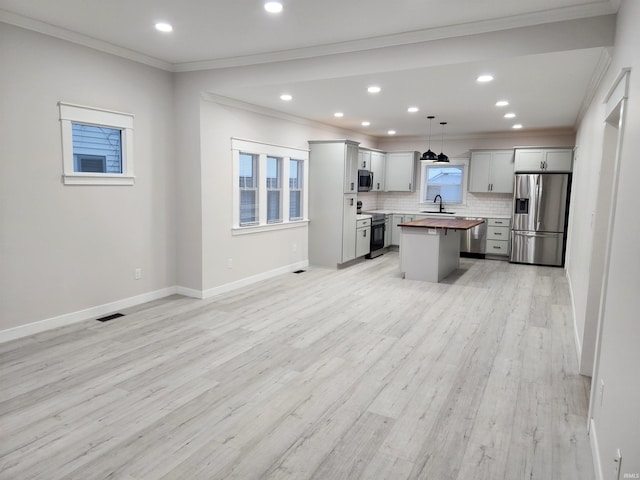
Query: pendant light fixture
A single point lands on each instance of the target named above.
(429, 155)
(442, 158)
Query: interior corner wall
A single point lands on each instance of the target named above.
(615, 415)
(64, 249)
(256, 254)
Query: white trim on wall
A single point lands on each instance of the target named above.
(81, 315)
(101, 310)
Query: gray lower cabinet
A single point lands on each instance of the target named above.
(498, 231)
(395, 230)
(363, 237)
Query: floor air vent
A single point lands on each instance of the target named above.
(299, 271)
(110, 317)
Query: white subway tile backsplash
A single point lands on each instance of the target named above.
(482, 205)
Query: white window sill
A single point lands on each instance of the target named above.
(269, 227)
(97, 179)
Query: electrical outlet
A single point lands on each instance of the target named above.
(138, 274)
(229, 262)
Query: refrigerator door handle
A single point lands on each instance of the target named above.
(538, 198)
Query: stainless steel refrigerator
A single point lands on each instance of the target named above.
(540, 212)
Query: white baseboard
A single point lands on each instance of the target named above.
(595, 451)
(228, 287)
(80, 315)
(101, 310)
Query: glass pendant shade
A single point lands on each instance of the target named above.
(429, 155)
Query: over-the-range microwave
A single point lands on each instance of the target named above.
(365, 180)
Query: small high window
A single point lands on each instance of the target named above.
(97, 146)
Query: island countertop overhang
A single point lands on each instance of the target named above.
(443, 223)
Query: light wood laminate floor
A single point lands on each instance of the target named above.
(325, 375)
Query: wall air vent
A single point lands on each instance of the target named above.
(110, 317)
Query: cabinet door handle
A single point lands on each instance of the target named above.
(378, 185)
(497, 233)
(497, 247)
(352, 185)
(351, 202)
(364, 233)
(409, 186)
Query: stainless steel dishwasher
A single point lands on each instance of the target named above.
(473, 242)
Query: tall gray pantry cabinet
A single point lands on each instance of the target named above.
(333, 188)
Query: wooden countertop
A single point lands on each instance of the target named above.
(445, 223)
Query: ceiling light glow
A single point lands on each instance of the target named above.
(412, 109)
(509, 115)
(502, 103)
(517, 126)
(391, 132)
(484, 78)
(273, 7)
(338, 114)
(374, 89)
(163, 27)
(365, 124)
(286, 97)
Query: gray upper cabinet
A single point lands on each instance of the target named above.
(491, 171)
(351, 168)
(400, 171)
(378, 163)
(543, 159)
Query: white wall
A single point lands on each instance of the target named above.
(68, 248)
(616, 416)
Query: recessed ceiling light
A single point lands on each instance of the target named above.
(163, 27)
(484, 78)
(286, 97)
(338, 114)
(517, 126)
(412, 109)
(502, 103)
(365, 124)
(374, 89)
(509, 115)
(273, 7)
(391, 132)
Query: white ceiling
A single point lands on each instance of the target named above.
(546, 86)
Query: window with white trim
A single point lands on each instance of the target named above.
(269, 186)
(97, 146)
(448, 180)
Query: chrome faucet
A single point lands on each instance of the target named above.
(434, 201)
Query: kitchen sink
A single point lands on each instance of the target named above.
(438, 213)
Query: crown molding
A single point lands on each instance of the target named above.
(546, 132)
(80, 39)
(577, 12)
(269, 112)
(604, 61)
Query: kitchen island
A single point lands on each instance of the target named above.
(430, 248)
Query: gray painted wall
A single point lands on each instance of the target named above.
(68, 248)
